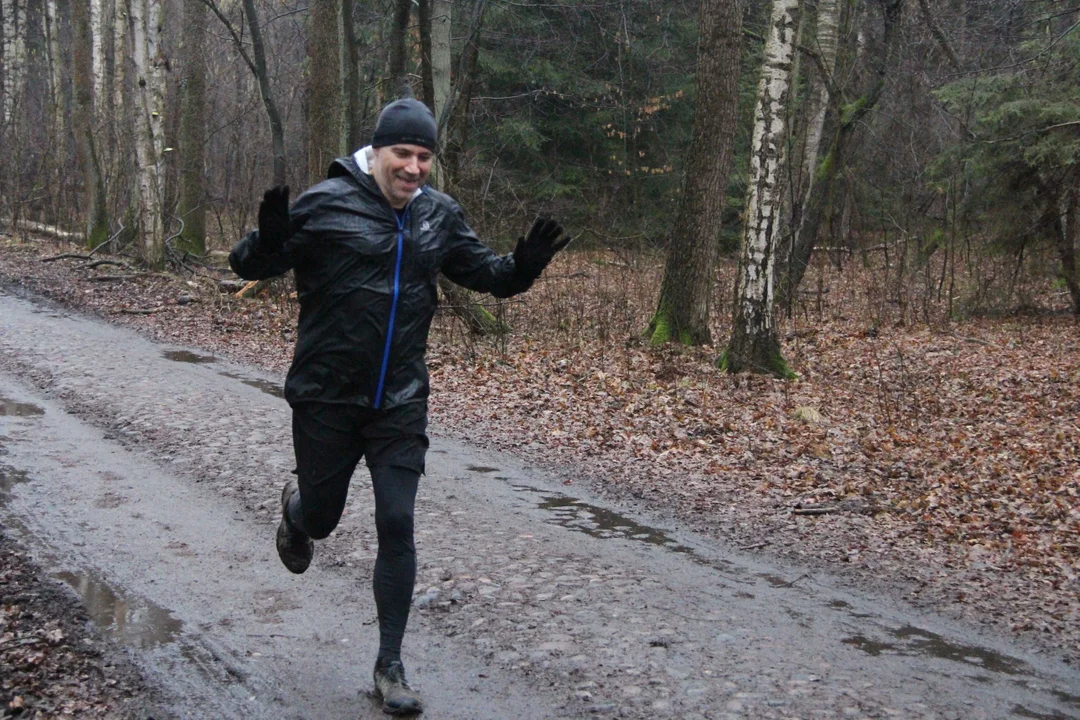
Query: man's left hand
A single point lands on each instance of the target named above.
(535, 250)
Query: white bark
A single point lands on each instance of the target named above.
(828, 30)
(755, 290)
(56, 74)
(97, 35)
(147, 18)
(120, 53)
(14, 56)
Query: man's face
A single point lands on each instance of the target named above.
(399, 170)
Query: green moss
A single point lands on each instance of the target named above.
(723, 362)
(824, 168)
(98, 235)
(851, 110)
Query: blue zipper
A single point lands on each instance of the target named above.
(393, 306)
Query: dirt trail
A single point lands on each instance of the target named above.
(147, 477)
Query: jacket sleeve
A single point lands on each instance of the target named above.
(252, 260)
(473, 265)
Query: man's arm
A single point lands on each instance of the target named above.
(264, 253)
(472, 264)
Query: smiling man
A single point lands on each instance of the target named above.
(367, 246)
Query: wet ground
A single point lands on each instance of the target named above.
(146, 478)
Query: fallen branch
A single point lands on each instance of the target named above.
(112, 278)
(65, 256)
(98, 263)
(817, 510)
(138, 311)
(252, 288)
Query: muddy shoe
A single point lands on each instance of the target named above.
(293, 547)
(396, 695)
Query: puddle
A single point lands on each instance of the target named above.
(186, 356)
(916, 641)
(10, 408)
(135, 623)
(482, 469)
(601, 523)
(267, 386)
(1021, 711)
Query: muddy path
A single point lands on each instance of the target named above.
(146, 477)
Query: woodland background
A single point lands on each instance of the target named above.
(871, 203)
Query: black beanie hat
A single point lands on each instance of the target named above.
(405, 122)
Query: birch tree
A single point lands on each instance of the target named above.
(191, 208)
(755, 344)
(324, 87)
(682, 313)
(849, 110)
(148, 21)
(96, 222)
(823, 48)
(97, 33)
(14, 56)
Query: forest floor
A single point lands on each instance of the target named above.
(939, 461)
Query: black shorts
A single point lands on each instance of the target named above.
(327, 437)
(329, 441)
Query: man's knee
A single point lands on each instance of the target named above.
(395, 524)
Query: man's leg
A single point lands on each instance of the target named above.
(328, 448)
(395, 563)
(395, 575)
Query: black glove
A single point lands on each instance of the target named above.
(535, 250)
(275, 223)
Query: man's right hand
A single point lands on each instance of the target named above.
(275, 223)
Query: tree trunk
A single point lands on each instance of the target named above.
(57, 124)
(14, 57)
(755, 345)
(427, 81)
(191, 209)
(682, 313)
(324, 87)
(97, 32)
(441, 60)
(353, 112)
(848, 118)
(435, 69)
(1067, 235)
(96, 222)
(148, 19)
(277, 129)
(397, 80)
(821, 79)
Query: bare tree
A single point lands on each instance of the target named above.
(397, 79)
(755, 344)
(191, 208)
(353, 92)
(257, 65)
(14, 56)
(96, 222)
(148, 20)
(324, 87)
(849, 112)
(682, 313)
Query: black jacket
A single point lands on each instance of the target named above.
(367, 285)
